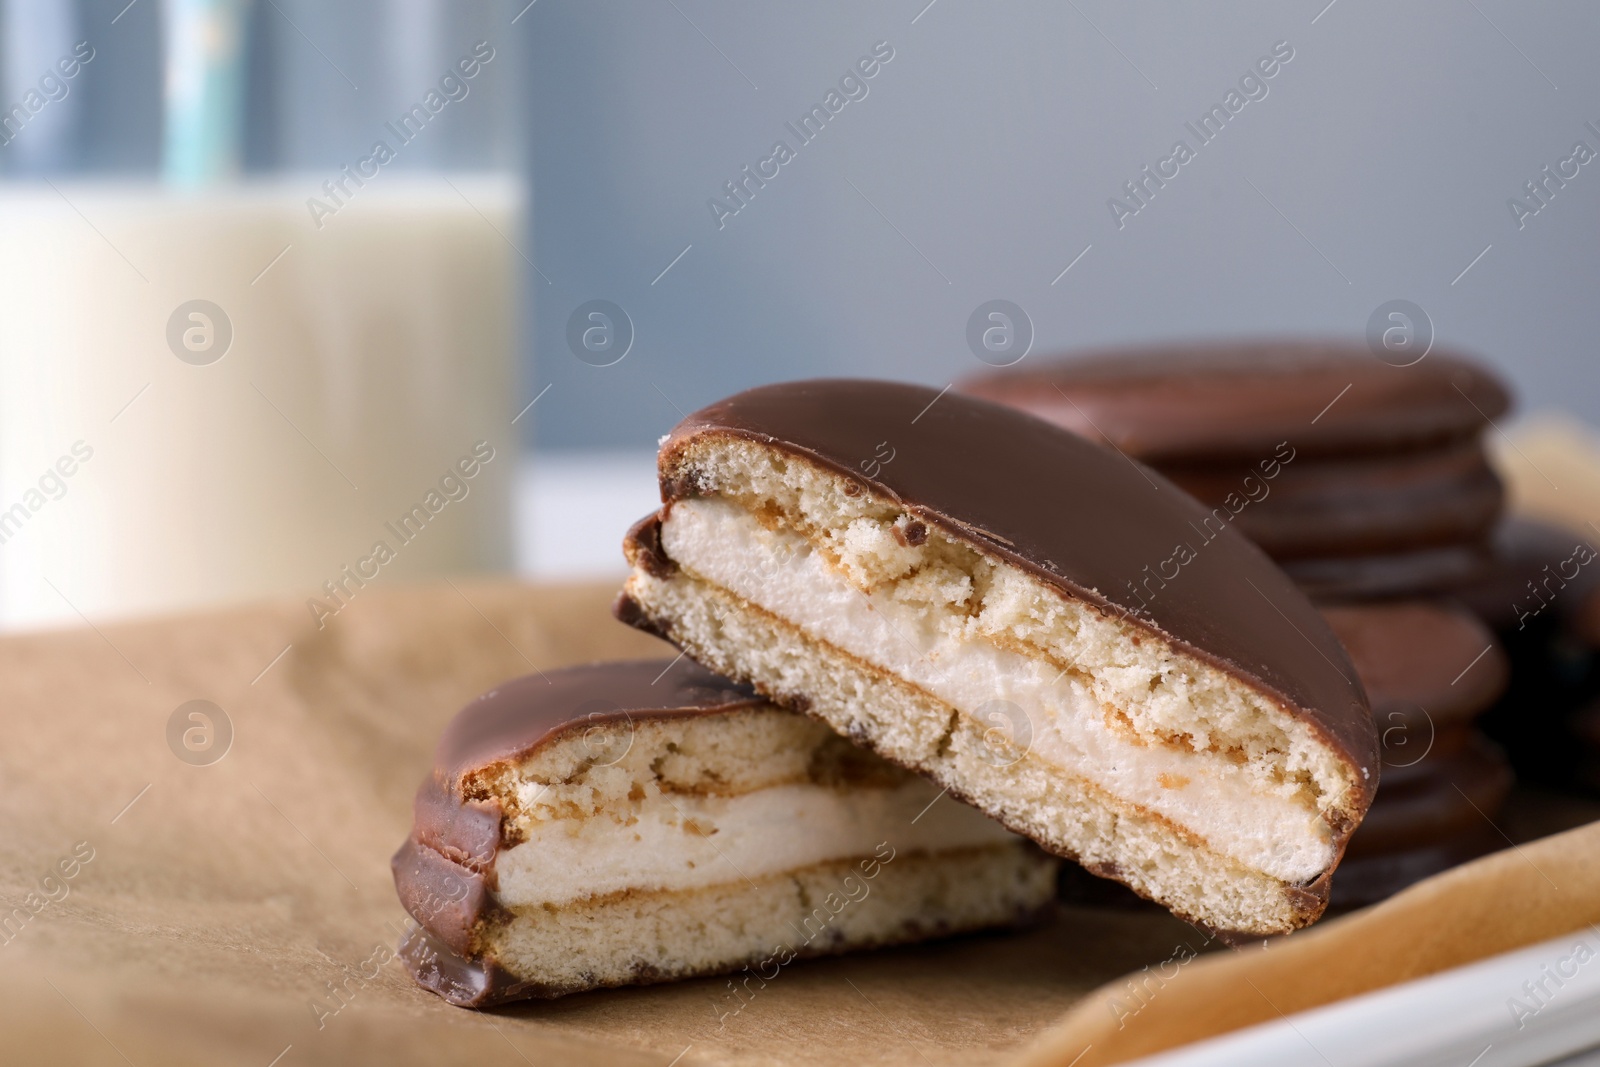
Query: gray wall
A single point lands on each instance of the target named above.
(977, 167)
(980, 163)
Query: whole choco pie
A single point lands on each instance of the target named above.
(1231, 401)
(1317, 451)
(1366, 503)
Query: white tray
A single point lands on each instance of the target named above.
(1466, 1017)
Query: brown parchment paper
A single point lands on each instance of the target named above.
(1504, 901)
(222, 900)
(242, 911)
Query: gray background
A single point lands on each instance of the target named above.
(978, 167)
(991, 143)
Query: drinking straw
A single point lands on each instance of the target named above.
(204, 91)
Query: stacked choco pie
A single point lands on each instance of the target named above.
(1541, 598)
(919, 667)
(1583, 723)
(1369, 484)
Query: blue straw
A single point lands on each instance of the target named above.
(204, 124)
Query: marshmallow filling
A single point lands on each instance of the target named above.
(676, 842)
(1027, 705)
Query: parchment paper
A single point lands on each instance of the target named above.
(221, 900)
(239, 910)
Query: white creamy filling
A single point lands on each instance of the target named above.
(779, 571)
(677, 842)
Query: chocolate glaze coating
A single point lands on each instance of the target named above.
(1537, 570)
(1434, 818)
(1419, 655)
(1421, 572)
(464, 981)
(1586, 620)
(1075, 516)
(1429, 668)
(1236, 400)
(1374, 876)
(1584, 725)
(1457, 794)
(444, 873)
(1535, 598)
(1342, 506)
(513, 719)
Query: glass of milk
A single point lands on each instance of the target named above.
(204, 397)
(293, 379)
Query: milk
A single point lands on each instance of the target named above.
(369, 357)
